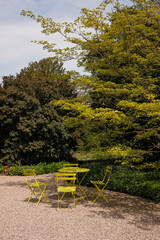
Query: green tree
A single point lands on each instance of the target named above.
(120, 104)
(46, 80)
(31, 130)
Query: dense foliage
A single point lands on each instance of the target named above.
(31, 130)
(118, 110)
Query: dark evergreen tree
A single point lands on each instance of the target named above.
(31, 130)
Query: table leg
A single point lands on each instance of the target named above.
(80, 187)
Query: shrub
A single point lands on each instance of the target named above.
(16, 171)
(127, 180)
(41, 168)
(1, 169)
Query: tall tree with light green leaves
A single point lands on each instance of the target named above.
(119, 104)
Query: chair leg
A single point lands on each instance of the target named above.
(42, 194)
(32, 192)
(100, 193)
(102, 196)
(60, 204)
(93, 194)
(74, 200)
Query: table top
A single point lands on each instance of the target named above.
(74, 170)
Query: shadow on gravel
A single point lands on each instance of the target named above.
(142, 212)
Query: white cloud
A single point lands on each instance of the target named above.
(16, 49)
(17, 39)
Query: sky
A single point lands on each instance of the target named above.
(16, 31)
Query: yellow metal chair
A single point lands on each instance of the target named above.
(32, 186)
(66, 165)
(65, 184)
(101, 185)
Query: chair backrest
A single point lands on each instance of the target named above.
(27, 172)
(66, 177)
(107, 173)
(70, 165)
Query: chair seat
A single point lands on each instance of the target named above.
(38, 183)
(98, 182)
(66, 189)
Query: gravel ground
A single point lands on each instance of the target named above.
(125, 217)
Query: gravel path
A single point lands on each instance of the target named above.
(124, 218)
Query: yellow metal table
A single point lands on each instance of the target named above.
(77, 170)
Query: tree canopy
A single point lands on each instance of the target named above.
(118, 110)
